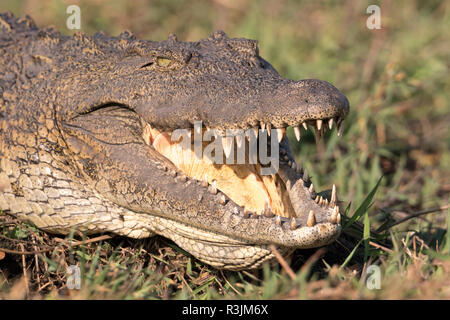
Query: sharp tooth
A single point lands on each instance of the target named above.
(317, 199)
(297, 133)
(289, 163)
(268, 210)
(293, 224)
(334, 215)
(299, 168)
(333, 200)
(326, 202)
(239, 140)
(278, 220)
(311, 219)
(338, 218)
(320, 201)
(339, 125)
(222, 199)
(227, 143)
(311, 188)
(263, 126)
(319, 124)
(294, 165)
(247, 213)
(305, 176)
(255, 129)
(340, 128)
(205, 181)
(318, 134)
(305, 126)
(268, 213)
(330, 123)
(212, 188)
(281, 132)
(269, 129)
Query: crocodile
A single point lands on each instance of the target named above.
(87, 142)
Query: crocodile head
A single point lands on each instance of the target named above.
(119, 114)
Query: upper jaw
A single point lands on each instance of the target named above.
(307, 100)
(293, 103)
(274, 103)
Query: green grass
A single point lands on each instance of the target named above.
(397, 82)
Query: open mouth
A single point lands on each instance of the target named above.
(287, 194)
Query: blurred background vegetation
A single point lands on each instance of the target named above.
(396, 79)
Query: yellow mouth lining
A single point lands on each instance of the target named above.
(242, 183)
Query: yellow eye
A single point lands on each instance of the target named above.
(163, 62)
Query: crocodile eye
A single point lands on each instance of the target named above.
(163, 62)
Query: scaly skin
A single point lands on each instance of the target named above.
(75, 152)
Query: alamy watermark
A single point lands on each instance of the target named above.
(74, 277)
(374, 20)
(373, 277)
(73, 21)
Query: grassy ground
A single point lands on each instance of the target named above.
(397, 82)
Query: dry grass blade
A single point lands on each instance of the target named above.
(415, 215)
(283, 262)
(23, 252)
(24, 270)
(229, 284)
(72, 244)
(379, 246)
(312, 259)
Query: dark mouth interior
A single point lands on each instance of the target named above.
(244, 183)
